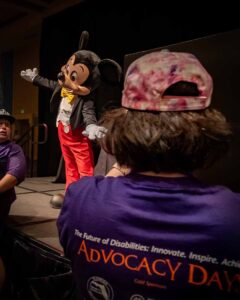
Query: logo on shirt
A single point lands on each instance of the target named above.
(99, 289)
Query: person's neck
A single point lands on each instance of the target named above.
(4, 141)
(164, 174)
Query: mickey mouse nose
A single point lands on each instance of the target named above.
(61, 76)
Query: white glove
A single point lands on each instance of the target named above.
(29, 74)
(93, 131)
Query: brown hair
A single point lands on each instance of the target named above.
(165, 141)
(181, 141)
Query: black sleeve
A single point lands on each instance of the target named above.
(88, 112)
(44, 82)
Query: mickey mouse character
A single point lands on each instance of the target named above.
(73, 102)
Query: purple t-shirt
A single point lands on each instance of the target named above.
(140, 237)
(13, 162)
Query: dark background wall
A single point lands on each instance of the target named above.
(116, 30)
(6, 80)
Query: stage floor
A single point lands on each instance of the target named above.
(31, 213)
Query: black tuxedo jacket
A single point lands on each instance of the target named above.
(83, 112)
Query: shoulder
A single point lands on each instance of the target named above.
(86, 182)
(15, 148)
(82, 192)
(10, 147)
(225, 203)
(226, 192)
(91, 187)
(14, 145)
(221, 196)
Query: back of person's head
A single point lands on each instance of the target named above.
(166, 123)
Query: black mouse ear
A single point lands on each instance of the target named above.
(83, 40)
(110, 71)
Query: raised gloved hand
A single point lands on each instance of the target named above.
(29, 74)
(93, 132)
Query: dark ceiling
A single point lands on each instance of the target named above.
(14, 10)
(17, 17)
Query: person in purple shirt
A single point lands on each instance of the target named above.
(157, 232)
(12, 172)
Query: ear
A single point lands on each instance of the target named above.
(110, 71)
(83, 40)
(83, 91)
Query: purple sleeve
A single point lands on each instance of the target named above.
(17, 163)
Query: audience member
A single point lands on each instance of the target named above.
(12, 172)
(157, 232)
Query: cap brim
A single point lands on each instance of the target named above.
(9, 118)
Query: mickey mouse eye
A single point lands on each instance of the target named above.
(74, 76)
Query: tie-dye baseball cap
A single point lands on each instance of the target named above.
(149, 76)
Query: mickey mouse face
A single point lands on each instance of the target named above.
(72, 76)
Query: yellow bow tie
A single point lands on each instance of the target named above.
(66, 94)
